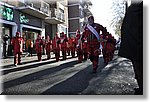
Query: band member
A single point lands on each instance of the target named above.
(108, 48)
(85, 49)
(43, 45)
(29, 46)
(17, 43)
(48, 47)
(92, 34)
(38, 47)
(79, 46)
(72, 45)
(68, 47)
(63, 40)
(56, 46)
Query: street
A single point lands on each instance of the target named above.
(69, 77)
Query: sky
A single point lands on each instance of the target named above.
(102, 12)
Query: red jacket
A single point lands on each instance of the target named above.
(92, 41)
(72, 42)
(56, 43)
(63, 41)
(48, 45)
(38, 45)
(17, 42)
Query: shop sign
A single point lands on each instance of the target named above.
(7, 13)
(23, 18)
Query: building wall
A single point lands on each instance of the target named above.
(34, 25)
(73, 11)
(74, 25)
(76, 16)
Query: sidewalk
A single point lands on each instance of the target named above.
(8, 62)
(117, 78)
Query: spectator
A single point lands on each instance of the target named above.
(132, 41)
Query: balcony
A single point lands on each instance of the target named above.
(38, 9)
(55, 17)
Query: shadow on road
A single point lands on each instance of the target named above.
(37, 75)
(23, 67)
(76, 84)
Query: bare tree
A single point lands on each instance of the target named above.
(118, 9)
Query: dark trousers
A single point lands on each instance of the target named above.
(5, 48)
(64, 53)
(138, 70)
(30, 50)
(57, 54)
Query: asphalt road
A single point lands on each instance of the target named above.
(69, 78)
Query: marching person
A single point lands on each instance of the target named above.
(29, 46)
(63, 40)
(17, 43)
(43, 45)
(107, 48)
(38, 47)
(68, 47)
(48, 47)
(56, 46)
(72, 45)
(92, 34)
(85, 49)
(79, 46)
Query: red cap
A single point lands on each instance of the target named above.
(17, 33)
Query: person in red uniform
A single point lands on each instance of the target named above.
(72, 45)
(38, 47)
(48, 47)
(113, 44)
(103, 42)
(79, 46)
(17, 43)
(68, 49)
(56, 46)
(92, 34)
(63, 40)
(43, 46)
(85, 49)
(108, 47)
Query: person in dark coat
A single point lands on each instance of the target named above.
(5, 45)
(132, 41)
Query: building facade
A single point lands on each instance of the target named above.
(33, 17)
(78, 11)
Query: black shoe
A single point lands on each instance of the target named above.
(15, 65)
(20, 64)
